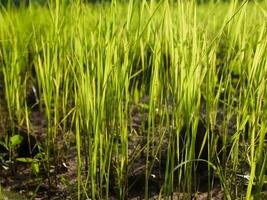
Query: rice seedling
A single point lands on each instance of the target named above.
(136, 98)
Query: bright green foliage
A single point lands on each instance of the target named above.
(92, 65)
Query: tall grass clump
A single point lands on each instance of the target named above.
(158, 96)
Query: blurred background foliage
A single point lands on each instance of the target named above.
(18, 3)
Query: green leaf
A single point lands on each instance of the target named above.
(40, 156)
(26, 160)
(16, 140)
(35, 167)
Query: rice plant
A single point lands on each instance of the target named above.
(141, 98)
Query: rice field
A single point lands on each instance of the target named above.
(134, 100)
